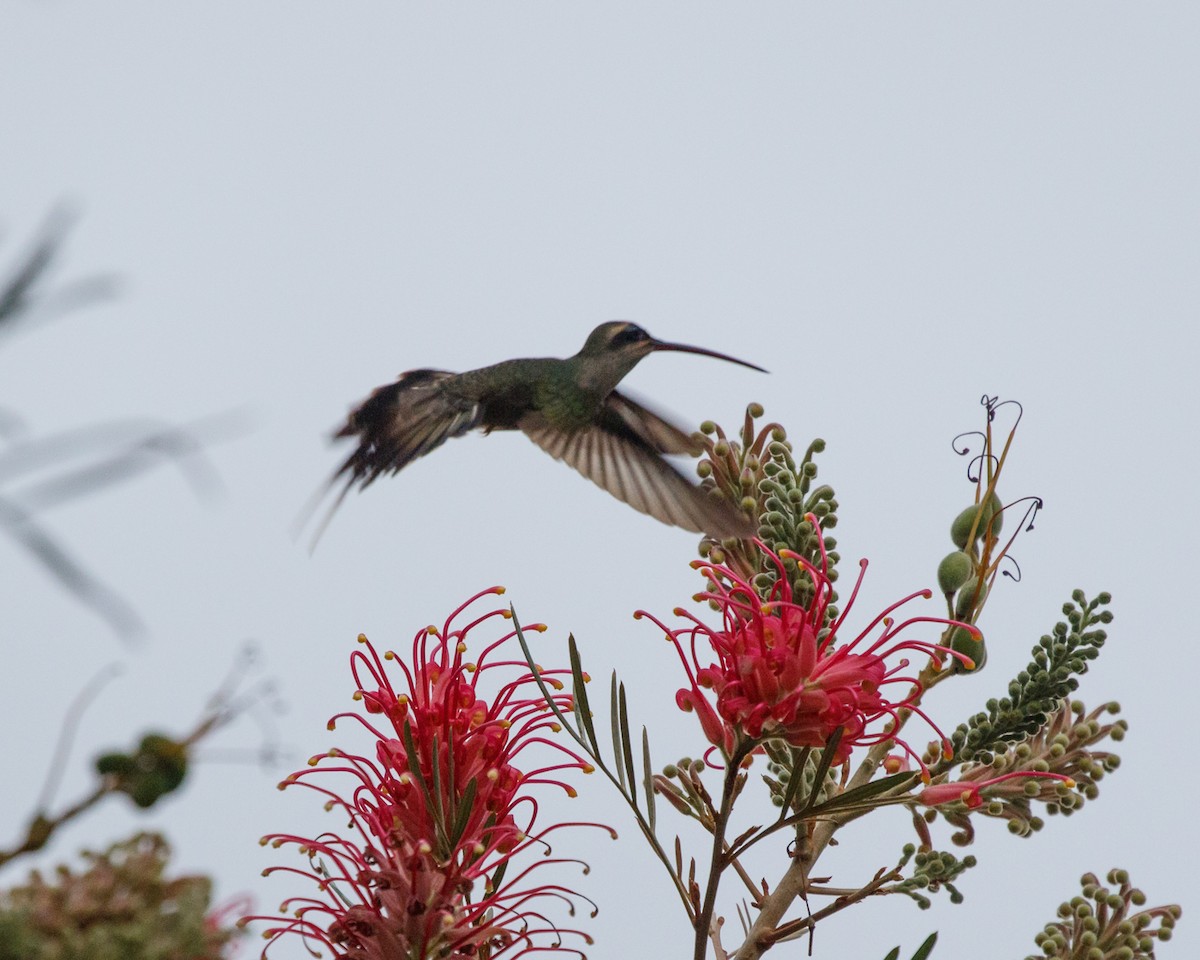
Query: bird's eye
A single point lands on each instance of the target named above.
(631, 334)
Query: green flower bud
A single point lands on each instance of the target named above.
(993, 514)
(970, 598)
(960, 529)
(954, 571)
(962, 641)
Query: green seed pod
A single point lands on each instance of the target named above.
(954, 571)
(993, 513)
(960, 529)
(970, 598)
(962, 641)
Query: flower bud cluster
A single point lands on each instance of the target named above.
(759, 471)
(1102, 923)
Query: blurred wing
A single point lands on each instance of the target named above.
(402, 421)
(622, 452)
(397, 424)
(663, 436)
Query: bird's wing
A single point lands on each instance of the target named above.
(663, 436)
(621, 452)
(396, 424)
(402, 421)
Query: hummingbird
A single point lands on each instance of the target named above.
(568, 407)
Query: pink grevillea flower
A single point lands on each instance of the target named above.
(969, 792)
(441, 813)
(782, 672)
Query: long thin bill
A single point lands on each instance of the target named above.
(684, 348)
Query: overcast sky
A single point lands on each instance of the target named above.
(895, 208)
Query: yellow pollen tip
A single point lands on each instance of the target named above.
(389, 655)
(1069, 783)
(504, 724)
(362, 638)
(470, 667)
(637, 614)
(431, 630)
(540, 627)
(588, 768)
(424, 847)
(461, 647)
(572, 792)
(506, 614)
(927, 594)
(501, 591)
(556, 728)
(493, 775)
(356, 696)
(587, 678)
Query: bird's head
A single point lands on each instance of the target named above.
(614, 348)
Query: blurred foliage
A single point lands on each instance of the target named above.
(39, 473)
(123, 906)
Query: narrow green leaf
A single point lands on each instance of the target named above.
(926, 948)
(438, 810)
(615, 723)
(648, 782)
(799, 759)
(465, 805)
(497, 878)
(583, 709)
(823, 766)
(860, 794)
(626, 743)
(894, 954)
(414, 767)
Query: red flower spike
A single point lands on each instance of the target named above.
(437, 812)
(780, 673)
(969, 792)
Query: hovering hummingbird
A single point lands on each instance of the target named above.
(570, 408)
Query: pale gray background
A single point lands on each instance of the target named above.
(896, 208)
